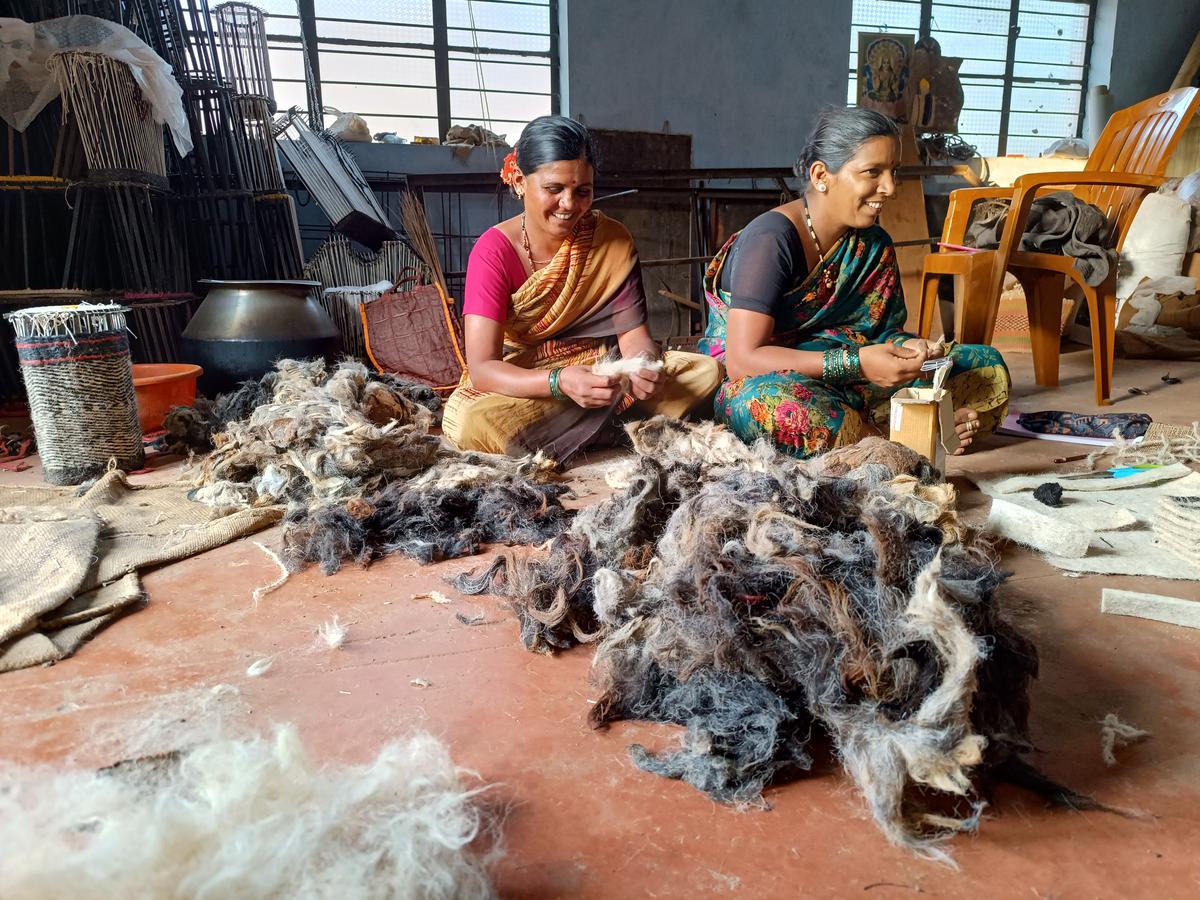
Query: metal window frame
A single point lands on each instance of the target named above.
(1008, 80)
(312, 44)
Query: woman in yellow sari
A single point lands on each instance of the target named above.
(549, 293)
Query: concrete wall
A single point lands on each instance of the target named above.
(1139, 46)
(1152, 38)
(745, 78)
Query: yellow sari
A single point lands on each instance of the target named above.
(570, 313)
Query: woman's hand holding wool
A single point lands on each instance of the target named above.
(646, 383)
(889, 366)
(587, 389)
(933, 349)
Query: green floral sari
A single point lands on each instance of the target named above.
(853, 297)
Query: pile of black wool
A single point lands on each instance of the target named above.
(748, 596)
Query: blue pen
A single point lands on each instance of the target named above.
(1126, 471)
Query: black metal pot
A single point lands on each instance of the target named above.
(243, 327)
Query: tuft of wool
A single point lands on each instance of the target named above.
(1163, 450)
(193, 427)
(751, 597)
(245, 818)
(618, 367)
(277, 582)
(874, 450)
(1114, 734)
(319, 437)
(705, 443)
(332, 633)
(1049, 494)
(551, 598)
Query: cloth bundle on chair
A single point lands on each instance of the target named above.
(1058, 223)
(1128, 162)
(415, 333)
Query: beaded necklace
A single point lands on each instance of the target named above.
(534, 263)
(812, 232)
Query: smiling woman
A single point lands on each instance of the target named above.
(549, 293)
(806, 306)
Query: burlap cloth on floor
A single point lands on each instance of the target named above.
(68, 562)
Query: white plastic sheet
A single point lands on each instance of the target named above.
(26, 85)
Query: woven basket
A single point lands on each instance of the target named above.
(78, 377)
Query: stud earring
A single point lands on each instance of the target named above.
(821, 188)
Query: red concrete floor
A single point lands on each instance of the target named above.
(582, 821)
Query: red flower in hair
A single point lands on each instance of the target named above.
(508, 174)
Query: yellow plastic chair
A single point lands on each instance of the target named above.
(1127, 164)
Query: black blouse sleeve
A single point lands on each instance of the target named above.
(765, 262)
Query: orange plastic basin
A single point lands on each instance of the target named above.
(159, 386)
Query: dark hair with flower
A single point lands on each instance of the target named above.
(548, 139)
(508, 174)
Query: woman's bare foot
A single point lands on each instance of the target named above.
(966, 425)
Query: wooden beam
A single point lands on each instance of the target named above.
(904, 219)
(1190, 68)
(680, 299)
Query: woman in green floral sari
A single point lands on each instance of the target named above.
(807, 311)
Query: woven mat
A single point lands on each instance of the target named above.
(68, 561)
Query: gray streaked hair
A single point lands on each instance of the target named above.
(839, 133)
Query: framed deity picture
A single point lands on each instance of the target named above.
(884, 67)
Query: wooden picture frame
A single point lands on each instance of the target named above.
(884, 67)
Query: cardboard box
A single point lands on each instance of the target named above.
(922, 419)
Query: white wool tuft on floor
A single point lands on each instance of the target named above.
(253, 818)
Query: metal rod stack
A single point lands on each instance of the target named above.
(95, 201)
(280, 235)
(332, 176)
(157, 321)
(33, 216)
(116, 125)
(262, 170)
(125, 236)
(242, 37)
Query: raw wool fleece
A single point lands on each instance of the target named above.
(747, 596)
(320, 436)
(192, 427)
(614, 366)
(253, 818)
(351, 456)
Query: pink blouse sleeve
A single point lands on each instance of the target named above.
(494, 274)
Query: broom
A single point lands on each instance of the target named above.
(412, 216)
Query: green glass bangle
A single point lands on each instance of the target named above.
(854, 370)
(832, 365)
(841, 365)
(556, 391)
